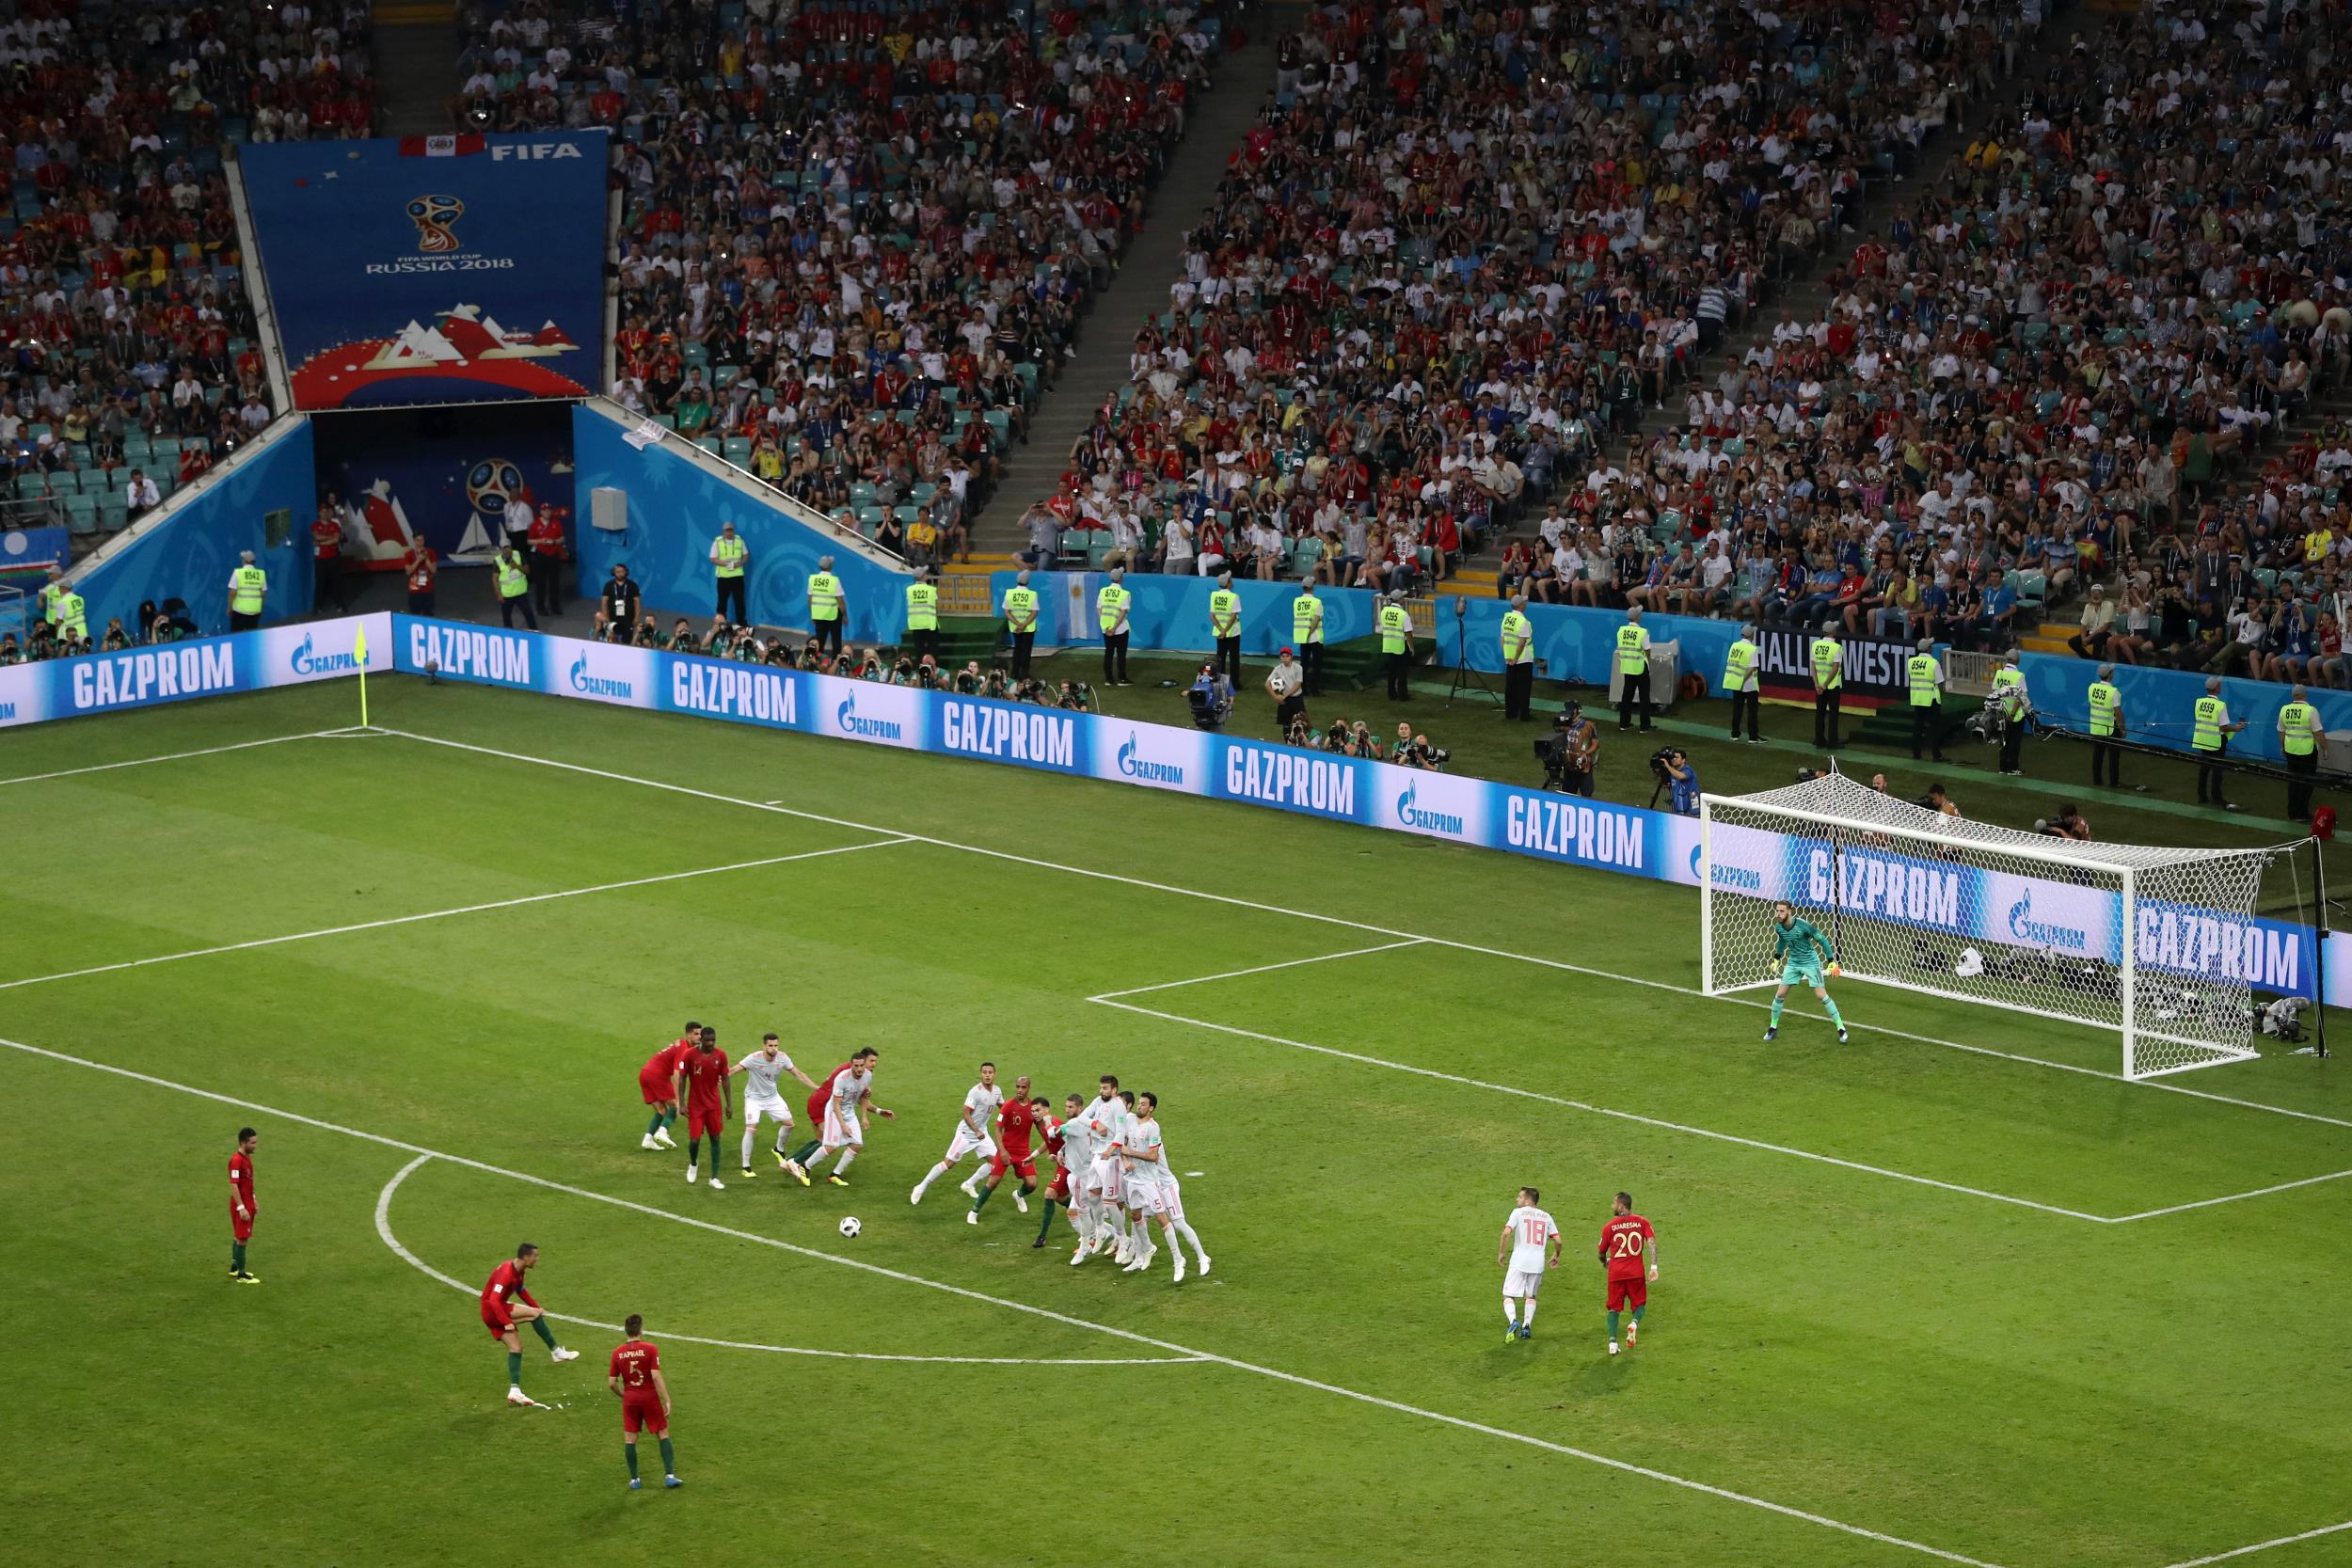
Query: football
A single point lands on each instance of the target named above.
(849, 1227)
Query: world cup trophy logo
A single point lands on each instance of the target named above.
(434, 215)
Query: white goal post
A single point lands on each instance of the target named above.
(2161, 945)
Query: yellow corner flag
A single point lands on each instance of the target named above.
(359, 656)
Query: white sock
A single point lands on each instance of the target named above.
(1527, 1313)
(751, 1136)
(817, 1159)
(1188, 1232)
(784, 1132)
(841, 1166)
(1511, 1311)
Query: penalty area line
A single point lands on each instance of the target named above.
(2265, 1545)
(384, 1230)
(1294, 1379)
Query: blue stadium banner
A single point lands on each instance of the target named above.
(434, 269)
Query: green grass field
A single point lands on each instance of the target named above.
(1920, 1303)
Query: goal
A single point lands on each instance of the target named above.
(2161, 945)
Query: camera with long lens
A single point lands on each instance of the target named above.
(1552, 750)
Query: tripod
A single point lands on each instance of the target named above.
(1464, 675)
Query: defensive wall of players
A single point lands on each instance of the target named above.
(1932, 896)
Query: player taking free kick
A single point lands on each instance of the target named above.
(635, 1376)
(1804, 958)
(657, 1081)
(507, 1303)
(1529, 1245)
(1628, 1249)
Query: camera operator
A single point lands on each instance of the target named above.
(1212, 698)
(1570, 752)
(1286, 683)
(1682, 781)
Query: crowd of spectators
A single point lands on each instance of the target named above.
(2084, 358)
(857, 237)
(131, 366)
(1464, 246)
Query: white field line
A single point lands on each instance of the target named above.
(2234, 1197)
(2265, 1545)
(1260, 969)
(384, 1230)
(1110, 1001)
(1399, 1407)
(444, 914)
(2156, 1085)
(168, 756)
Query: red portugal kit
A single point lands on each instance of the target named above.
(658, 1077)
(1624, 1242)
(706, 1071)
(817, 1100)
(634, 1362)
(506, 1283)
(1057, 1189)
(1014, 1120)
(241, 1177)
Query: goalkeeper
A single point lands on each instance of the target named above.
(1804, 955)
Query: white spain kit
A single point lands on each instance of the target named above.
(1147, 1184)
(1098, 1125)
(762, 1098)
(980, 1106)
(843, 1126)
(1532, 1234)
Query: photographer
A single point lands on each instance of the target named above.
(1414, 750)
(1570, 752)
(1682, 778)
(1212, 698)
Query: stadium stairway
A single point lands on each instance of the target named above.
(416, 41)
(1152, 261)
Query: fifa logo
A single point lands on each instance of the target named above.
(434, 216)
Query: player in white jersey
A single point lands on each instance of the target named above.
(761, 1070)
(980, 1105)
(1135, 1247)
(1099, 1218)
(845, 1123)
(1530, 1244)
(1151, 1191)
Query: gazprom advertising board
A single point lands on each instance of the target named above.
(434, 269)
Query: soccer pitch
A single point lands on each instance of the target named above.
(1951, 1293)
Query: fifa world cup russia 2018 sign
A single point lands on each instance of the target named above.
(434, 269)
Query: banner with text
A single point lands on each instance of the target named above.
(202, 667)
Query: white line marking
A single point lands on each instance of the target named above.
(2235, 1198)
(1620, 1465)
(384, 1230)
(1358, 926)
(1605, 1111)
(1260, 969)
(444, 914)
(2265, 1545)
(170, 756)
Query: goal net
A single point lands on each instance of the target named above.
(2161, 945)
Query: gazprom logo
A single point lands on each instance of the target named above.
(1410, 813)
(307, 662)
(1737, 876)
(2024, 928)
(1133, 764)
(598, 686)
(872, 729)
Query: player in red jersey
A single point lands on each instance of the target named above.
(1628, 1248)
(1058, 1190)
(240, 1206)
(658, 1081)
(507, 1303)
(635, 1376)
(1015, 1119)
(706, 1097)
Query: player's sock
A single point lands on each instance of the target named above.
(545, 1333)
(1188, 1232)
(751, 1137)
(654, 1125)
(1527, 1312)
(669, 1119)
(630, 1450)
(1775, 1023)
(800, 1157)
(514, 1368)
(1830, 1004)
(1612, 1328)
(1047, 1228)
(1638, 1310)
(236, 1258)
(1511, 1311)
(668, 1458)
(979, 1199)
(841, 1166)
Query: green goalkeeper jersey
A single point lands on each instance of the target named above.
(1801, 940)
